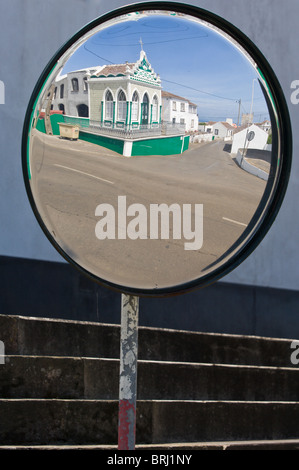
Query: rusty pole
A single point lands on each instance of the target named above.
(128, 372)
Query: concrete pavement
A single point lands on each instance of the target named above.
(71, 178)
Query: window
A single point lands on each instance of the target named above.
(192, 122)
(75, 85)
(182, 121)
(61, 90)
(135, 106)
(216, 132)
(121, 106)
(109, 105)
(174, 106)
(155, 109)
(182, 107)
(85, 84)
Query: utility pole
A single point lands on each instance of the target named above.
(239, 101)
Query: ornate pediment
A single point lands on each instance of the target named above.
(143, 71)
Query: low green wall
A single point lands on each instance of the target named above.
(171, 145)
(107, 142)
(161, 146)
(55, 120)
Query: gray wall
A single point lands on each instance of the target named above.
(30, 33)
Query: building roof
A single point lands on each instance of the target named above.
(245, 126)
(225, 124)
(140, 71)
(167, 94)
(115, 69)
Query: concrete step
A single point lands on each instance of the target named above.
(94, 422)
(51, 337)
(91, 378)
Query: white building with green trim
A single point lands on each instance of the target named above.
(126, 96)
(123, 103)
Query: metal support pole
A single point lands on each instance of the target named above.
(128, 372)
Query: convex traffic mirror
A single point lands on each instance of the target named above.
(157, 148)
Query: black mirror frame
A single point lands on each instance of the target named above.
(284, 125)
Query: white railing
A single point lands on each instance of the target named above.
(121, 130)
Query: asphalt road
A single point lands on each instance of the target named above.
(71, 178)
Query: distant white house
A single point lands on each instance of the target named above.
(220, 129)
(265, 125)
(179, 110)
(240, 138)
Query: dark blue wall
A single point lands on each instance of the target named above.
(58, 290)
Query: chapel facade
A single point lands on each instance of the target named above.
(126, 96)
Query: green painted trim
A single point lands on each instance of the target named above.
(160, 118)
(127, 113)
(114, 112)
(102, 111)
(119, 124)
(130, 116)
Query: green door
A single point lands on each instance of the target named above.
(145, 108)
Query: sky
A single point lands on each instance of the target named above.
(192, 60)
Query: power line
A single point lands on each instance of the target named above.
(200, 91)
(154, 42)
(103, 58)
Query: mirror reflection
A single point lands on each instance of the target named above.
(150, 150)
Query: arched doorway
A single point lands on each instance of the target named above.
(82, 110)
(61, 108)
(144, 114)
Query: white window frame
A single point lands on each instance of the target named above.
(108, 106)
(135, 107)
(155, 109)
(121, 106)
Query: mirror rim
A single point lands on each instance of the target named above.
(285, 136)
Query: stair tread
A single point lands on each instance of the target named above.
(150, 361)
(209, 445)
(150, 328)
(199, 387)
(161, 401)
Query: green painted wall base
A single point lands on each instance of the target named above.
(171, 145)
(164, 145)
(116, 145)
